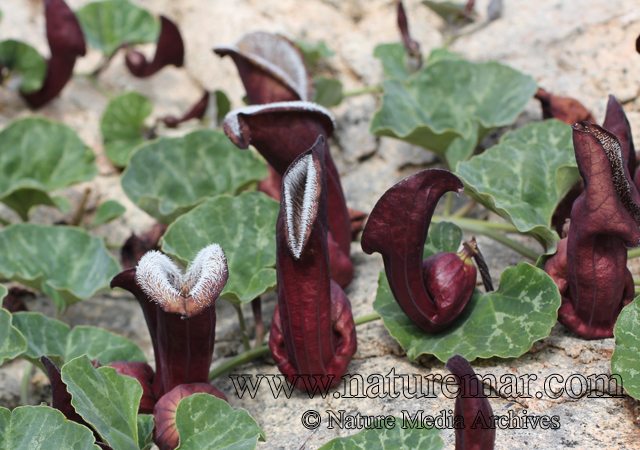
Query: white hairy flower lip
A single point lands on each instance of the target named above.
(189, 294)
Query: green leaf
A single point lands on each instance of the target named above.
(245, 228)
(50, 337)
(449, 11)
(37, 157)
(461, 149)
(171, 176)
(503, 323)
(402, 436)
(626, 355)
(108, 211)
(145, 431)
(24, 60)
(205, 422)
(328, 91)
(394, 60)
(442, 101)
(106, 400)
(314, 53)
(122, 125)
(65, 263)
(62, 203)
(223, 105)
(108, 24)
(441, 53)
(525, 176)
(42, 428)
(442, 237)
(12, 342)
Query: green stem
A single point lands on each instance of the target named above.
(239, 360)
(463, 221)
(636, 281)
(250, 355)
(243, 328)
(365, 319)
(448, 201)
(26, 383)
(633, 253)
(367, 90)
(466, 209)
(479, 226)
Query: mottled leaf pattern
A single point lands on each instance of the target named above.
(400, 437)
(503, 323)
(205, 422)
(106, 400)
(171, 176)
(525, 176)
(245, 228)
(626, 356)
(25, 60)
(65, 263)
(440, 102)
(108, 24)
(42, 428)
(37, 157)
(442, 237)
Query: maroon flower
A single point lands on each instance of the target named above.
(169, 51)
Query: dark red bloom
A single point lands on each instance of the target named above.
(66, 42)
(60, 396)
(412, 47)
(283, 131)
(271, 67)
(397, 229)
(566, 109)
(196, 112)
(313, 335)
(136, 246)
(590, 267)
(169, 51)
(144, 374)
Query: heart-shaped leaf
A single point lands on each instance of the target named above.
(314, 53)
(503, 323)
(106, 400)
(442, 237)
(525, 176)
(171, 176)
(42, 428)
(56, 340)
(37, 157)
(26, 62)
(108, 211)
(65, 263)
(205, 422)
(328, 91)
(442, 101)
(122, 125)
(626, 356)
(12, 342)
(245, 228)
(108, 24)
(404, 435)
(394, 60)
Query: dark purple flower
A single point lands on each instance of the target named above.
(169, 51)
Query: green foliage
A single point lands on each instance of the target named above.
(106, 400)
(441, 102)
(65, 263)
(328, 91)
(223, 105)
(314, 53)
(25, 61)
(394, 60)
(245, 228)
(442, 237)
(171, 176)
(402, 436)
(449, 11)
(626, 355)
(145, 431)
(42, 428)
(503, 323)
(108, 24)
(12, 342)
(37, 157)
(525, 176)
(122, 125)
(205, 422)
(108, 211)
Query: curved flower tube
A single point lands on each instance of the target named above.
(169, 51)
(313, 335)
(479, 431)
(180, 313)
(66, 42)
(605, 221)
(196, 112)
(414, 62)
(271, 67)
(397, 229)
(281, 132)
